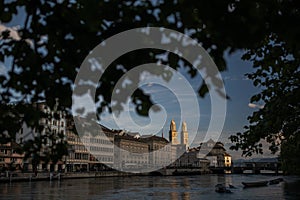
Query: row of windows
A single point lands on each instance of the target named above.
(55, 131)
(136, 162)
(71, 139)
(55, 122)
(99, 141)
(136, 157)
(74, 139)
(80, 148)
(95, 148)
(81, 156)
(105, 159)
(156, 146)
(6, 151)
(9, 159)
(48, 111)
(161, 155)
(133, 147)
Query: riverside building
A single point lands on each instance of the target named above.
(54, 125)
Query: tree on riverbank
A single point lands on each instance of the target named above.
(54, 38)
(277, 122)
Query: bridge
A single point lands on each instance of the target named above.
(258, 166)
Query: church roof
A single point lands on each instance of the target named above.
(226, 154)
(155, 138)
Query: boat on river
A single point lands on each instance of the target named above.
(275, 181)
(255, 184)
(220, 188)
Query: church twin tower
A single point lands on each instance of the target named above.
(173, 134)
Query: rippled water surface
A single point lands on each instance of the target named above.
(151, 187)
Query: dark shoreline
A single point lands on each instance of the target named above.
(29, 177)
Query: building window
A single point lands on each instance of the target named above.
(5, 151)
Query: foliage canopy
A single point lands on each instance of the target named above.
(55, 37)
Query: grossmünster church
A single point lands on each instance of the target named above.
(173, 134)
(178, 146)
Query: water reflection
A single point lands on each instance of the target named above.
(174, 193)
(172, 187)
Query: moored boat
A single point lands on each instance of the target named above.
(275, 181)
(220, 188)
(255, 184)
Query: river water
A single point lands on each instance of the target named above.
(151, 187)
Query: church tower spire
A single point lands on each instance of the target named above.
(173, 135)
(184, 135)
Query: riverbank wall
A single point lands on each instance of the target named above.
(51, 176)
(28, 177)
